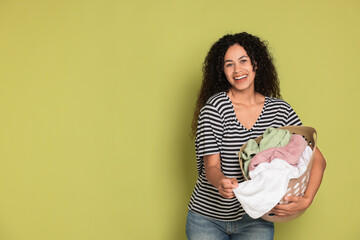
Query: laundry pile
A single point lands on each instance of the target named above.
(279, 157)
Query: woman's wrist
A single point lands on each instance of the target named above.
(308, 199)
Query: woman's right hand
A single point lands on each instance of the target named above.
(226, 187)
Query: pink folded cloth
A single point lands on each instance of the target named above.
(291, 152)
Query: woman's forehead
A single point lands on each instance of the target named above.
(234, 52)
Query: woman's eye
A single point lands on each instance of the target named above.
(243, 60)
(228, 65)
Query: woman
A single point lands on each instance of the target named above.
(238, 101)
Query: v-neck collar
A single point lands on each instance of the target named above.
(237, 120)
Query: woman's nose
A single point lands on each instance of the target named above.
(237, 68)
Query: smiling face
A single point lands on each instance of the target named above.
(238, 69)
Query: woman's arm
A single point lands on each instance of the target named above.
(215, 176)
(300, 203)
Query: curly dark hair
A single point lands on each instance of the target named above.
(214, 79)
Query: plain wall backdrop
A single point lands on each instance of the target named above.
(97, 97)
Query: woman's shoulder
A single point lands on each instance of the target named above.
(277, 102)
(217, 103)
(217, 98)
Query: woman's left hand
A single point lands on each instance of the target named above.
(294, 205)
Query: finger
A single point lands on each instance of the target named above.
(282, 207)
(234, 182)
(291, 199)
(277, 214)
(278, 211)
(226, 183)
(287, 209)
(228, 186)
(227, 195)
(281, 213)
(229, 190)
(226, 190)
(288, 213)
(230, 195)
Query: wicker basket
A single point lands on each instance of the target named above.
(297, 186)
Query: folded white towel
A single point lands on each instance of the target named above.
(268, 184)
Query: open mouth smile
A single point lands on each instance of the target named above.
(241, 77)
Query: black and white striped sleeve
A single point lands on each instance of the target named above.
(293, 118)
(209, 131)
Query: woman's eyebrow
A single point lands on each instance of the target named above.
(244, 56)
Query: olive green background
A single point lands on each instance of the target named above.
(96, 101)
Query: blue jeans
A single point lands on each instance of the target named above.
(199, 227)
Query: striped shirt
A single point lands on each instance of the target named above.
(219, 131)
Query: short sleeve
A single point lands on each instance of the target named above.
(293, 119)
(208, 135)
(209, 132)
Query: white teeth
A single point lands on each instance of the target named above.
(238, 78)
